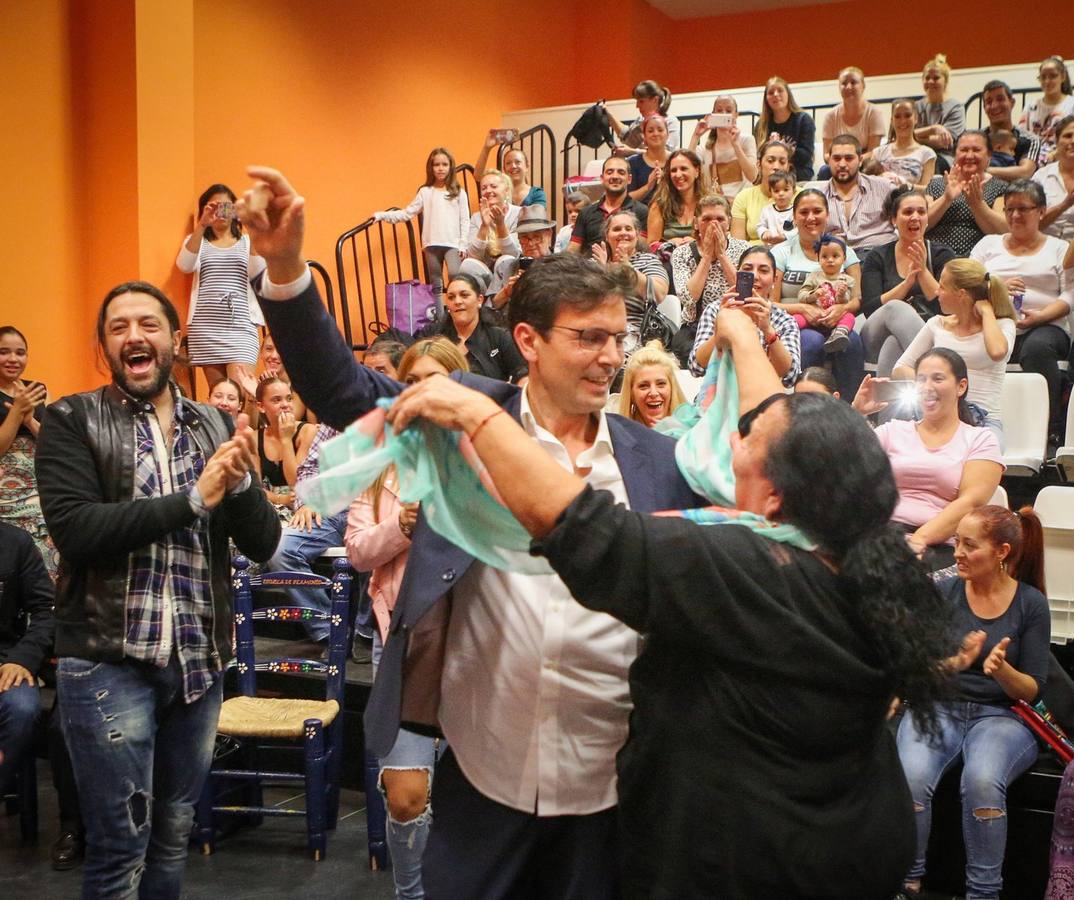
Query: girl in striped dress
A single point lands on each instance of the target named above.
(222, 325)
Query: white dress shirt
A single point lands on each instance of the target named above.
(534, 696)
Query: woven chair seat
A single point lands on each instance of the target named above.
(269, 717)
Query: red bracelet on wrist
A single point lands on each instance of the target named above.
(473, 434)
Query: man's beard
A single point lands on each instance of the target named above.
(164, 360)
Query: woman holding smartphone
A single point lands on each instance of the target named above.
(224, 316)
(729, 155)
(752, 293)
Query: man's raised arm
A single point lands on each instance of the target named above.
(321, 365)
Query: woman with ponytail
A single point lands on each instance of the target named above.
(653, 100)
(944, 466)
(977, 323)
(774, 642)
(997, 597)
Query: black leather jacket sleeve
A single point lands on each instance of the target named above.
(252, 522)
(83, 525)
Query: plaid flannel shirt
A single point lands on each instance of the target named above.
(309, 467)
(169, 604)
(782, 323)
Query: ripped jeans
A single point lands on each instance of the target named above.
(995, 748)
(140, 756)
(406, 840)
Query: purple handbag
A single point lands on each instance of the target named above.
(411, 305)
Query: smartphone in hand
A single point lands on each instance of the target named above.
(744, 285)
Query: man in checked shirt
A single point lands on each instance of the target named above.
(141, 489)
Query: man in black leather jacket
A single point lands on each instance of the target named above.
(141, 490)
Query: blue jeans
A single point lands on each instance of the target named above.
(19, 707)
(996, 748)
(140, 756)
(406, 840)
(848, 367)
(297, 551)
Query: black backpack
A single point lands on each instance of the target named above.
(592, 128)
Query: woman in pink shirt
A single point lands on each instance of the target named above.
(944, 467)
(377, 539)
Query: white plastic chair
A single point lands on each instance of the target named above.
(1025, 422)
(1064, 456)
(999, 498)
(1055, 509)
(671, 309)
(689, 383)
(593, 168)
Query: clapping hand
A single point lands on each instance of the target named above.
(996, 659)
(599, 252)
(953, 185)
(969, 650)
(25, 398)
(916, 253)
(497, 214)
(974, 191)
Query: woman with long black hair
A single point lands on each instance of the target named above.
(758, 742)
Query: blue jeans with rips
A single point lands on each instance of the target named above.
(995, 748)
(297, 551)
(407, 840)
(19, 709)
(140, 756)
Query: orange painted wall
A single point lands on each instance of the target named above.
(811, 43)
(350, 102)
(104, 147)
(71, 195)
(37, 245)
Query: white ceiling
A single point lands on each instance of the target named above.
(697, 9)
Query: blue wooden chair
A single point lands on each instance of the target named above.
(252, 723)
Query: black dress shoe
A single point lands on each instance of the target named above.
(68, 851)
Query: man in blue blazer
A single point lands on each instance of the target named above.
(529, 688)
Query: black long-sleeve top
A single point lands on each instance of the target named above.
(800, 132)
(758, 762)
(490, 350)
(880, 273)
(26, 598)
